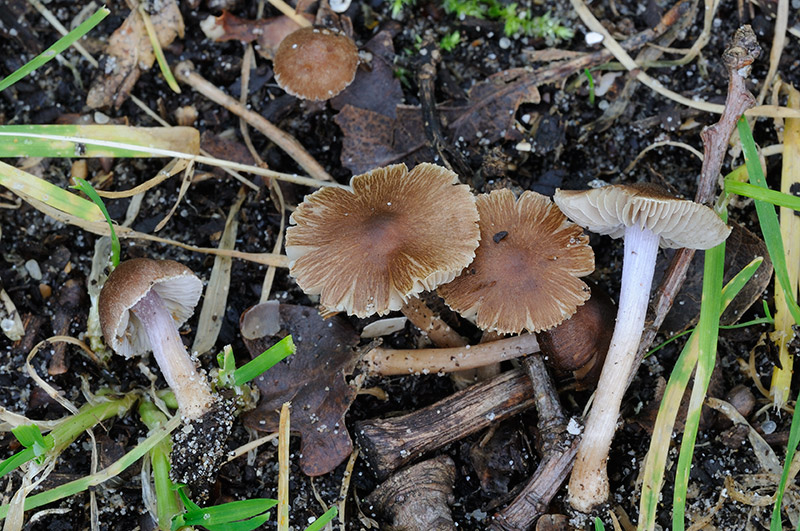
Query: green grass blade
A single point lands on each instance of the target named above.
(92, 141)
(60, 45)
(159, 53)
(16, 461)
(320, 522)
(264, 361)
(85, 187)
(113, 470)
(167, 503)
(791, 447)
(26, 185)
(708, 332)
(768, 219)
(762, 194)
(590, 77)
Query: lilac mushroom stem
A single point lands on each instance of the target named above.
(588, 485)
(191, 388)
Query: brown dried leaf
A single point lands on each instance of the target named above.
(489, 113)
(375, 89)
(313, 380)
(269, 32)
(129, 53)
(373, 140)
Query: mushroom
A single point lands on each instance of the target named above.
(646, 216)
(315, 63)
(141, 306)
(527, 269)
(398, 233)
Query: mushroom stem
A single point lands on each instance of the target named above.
(390, 362)
(191, 389)
(588, 485)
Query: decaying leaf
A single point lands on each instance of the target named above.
(375, 88)
(313, 380)
(267, 32)
(741, 247)
(372, 139)
(129, 53)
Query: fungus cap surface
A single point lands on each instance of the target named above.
(610, 209)
(526, 271)
(175, 283)
(398, 233)
(315, 63)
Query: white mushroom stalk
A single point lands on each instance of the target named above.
(191, 389)
(589, 480)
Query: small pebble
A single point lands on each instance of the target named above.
(32, 266)
(593, 38)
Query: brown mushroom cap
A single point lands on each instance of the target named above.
(175, 283)
(610, 209)
(526, 271)
(315, 63)
(398, 233)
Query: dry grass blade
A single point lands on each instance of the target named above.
(627, 61)
(216, 296)
(283, 468)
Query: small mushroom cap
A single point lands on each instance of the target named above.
(610, 209)
(175, 283)
(398, 233)
(315, 63)
(526, 271)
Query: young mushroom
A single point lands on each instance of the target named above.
(646, 217)
(141, 306)
(315, 63)
(398, 233)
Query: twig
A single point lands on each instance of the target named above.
(388, 444)
(558, 454)
(738, 57)
(426, 77)
(185, 73)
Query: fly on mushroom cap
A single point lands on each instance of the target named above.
(175, 283)
(398, 233)
(608, 210)
(526, 271)
(315, 63)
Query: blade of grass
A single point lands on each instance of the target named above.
(264, 361)
(159, 53)
(283, 468)
(320, 522)
(762, 194)
(26, 185)
(113, 470)
(167, 502)
(85, 187)
(91, 141)
(59, 46)
(655, 462)
(768, 219)
(708, 331)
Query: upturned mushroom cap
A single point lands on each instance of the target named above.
(398, 233)
(315, 63)
(526, 271)
(608, 210)
(175, 283)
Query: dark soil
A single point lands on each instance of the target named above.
(567, 151)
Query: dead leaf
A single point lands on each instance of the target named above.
(373, 140)
(129, 53)
(489, 113)
(375, 88)
(269, 32)
(313, 380)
